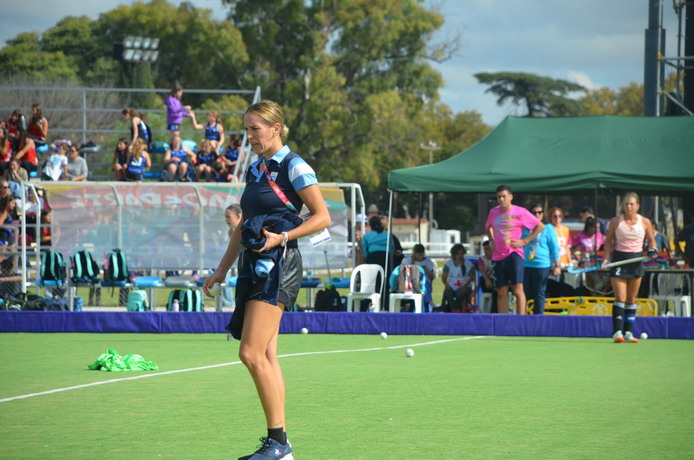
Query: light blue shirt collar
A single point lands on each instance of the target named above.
(277, 157)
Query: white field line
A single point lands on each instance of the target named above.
(288, 355)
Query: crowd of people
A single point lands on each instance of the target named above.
(525, 250)
(215, 160)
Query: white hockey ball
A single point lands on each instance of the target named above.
(409, 353)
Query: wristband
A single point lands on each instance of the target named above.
(653, 252)
(285, 238)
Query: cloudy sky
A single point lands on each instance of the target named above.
(592, 42)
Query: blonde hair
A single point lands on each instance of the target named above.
(215, 115)
(271, 113)
(138, 147)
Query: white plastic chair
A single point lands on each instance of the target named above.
(670, 288)
(396, 299)
(368, 288)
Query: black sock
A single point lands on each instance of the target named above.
(277, 434)
(617, 317)
(629, 317)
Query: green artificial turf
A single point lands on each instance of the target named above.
(489, 397)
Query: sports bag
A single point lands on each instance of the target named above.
(188, 300)
(52, 266)
(84, 267)
(115, 266)
(328, 299)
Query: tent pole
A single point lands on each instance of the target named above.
(386, 277)
(419, 217)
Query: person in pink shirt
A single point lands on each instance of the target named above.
(505, 225)
(587, 243)
(625, 236)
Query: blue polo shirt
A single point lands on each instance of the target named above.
(289, 171)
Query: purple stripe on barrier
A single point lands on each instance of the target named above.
(344, 323)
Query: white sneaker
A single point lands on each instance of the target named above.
(629, 338)
(618, 337)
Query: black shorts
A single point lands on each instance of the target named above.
(133, 175)
(627, 271)
(292, 272)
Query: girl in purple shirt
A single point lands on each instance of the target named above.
(175, 111)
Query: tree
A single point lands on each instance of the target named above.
(194, 49)
(352, 76)
(541, 96)
(627, 101)
(24, 55)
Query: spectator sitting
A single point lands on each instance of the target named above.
(232, 155)
(38, 125)
(395, 285)
(26, 150)
(137, 162)
(15, 173)
(420, 259)
(77, 166)
(8, 215)
(176, 160)
(120, 159)
(55, 168)
(46, 232)
(205, 159)
(458, 275)
(5, 147)
(5, 191)
(14, 124)
(10, 279)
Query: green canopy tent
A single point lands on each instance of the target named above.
(567, 155)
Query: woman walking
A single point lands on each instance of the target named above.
(278, 184)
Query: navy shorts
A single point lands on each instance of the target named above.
(292, 273)
(133, 175)
(173, 127)
(508, 271)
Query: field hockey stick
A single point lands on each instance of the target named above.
(576, 271)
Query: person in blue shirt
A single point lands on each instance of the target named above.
(177, 159)
(206, 159)
(541, 257)
(280, 181)
(375, 241)
(137, 162)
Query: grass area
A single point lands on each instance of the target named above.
(489, 397)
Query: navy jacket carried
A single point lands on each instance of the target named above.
(252, 238)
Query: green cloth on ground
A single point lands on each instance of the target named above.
(111, 361)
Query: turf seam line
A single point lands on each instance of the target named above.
(233, 363)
